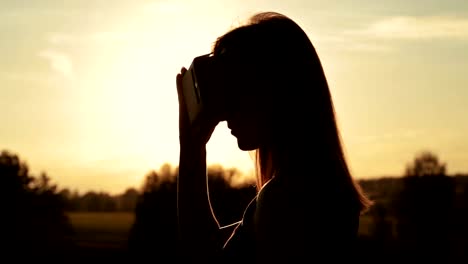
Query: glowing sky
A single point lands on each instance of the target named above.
(88, 86)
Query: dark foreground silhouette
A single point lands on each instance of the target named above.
(422, 216)
(34, 225)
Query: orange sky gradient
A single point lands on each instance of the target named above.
(88, 88)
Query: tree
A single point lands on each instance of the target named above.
(34, 220)
(154, 232)
(425, 164)
(128, 200)
(424, 208)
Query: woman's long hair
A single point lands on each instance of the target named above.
(304, 130)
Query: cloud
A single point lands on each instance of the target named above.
(416, 28)
(375, 36)
(59, 62)
(341, 41)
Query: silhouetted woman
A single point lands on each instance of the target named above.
(307, 206)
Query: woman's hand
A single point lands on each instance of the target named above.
(193, 134)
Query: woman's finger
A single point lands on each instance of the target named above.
(183, 118)
(179, 79)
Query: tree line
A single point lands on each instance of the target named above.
(92, 201)
(420, 215)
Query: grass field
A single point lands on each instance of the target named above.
(110, 229)
(104, 236)
(102, 230)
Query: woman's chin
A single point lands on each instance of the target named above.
(246, 146)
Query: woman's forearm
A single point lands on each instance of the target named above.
(198, 227)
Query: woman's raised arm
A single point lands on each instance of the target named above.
(200, 236)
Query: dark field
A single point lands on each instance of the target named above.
(101, 229)
(102, 235)
(107, 232)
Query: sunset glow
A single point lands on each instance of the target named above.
(88, 87)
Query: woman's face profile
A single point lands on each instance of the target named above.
(247, 119)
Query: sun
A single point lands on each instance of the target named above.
(131, 96)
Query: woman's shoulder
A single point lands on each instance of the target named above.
(279, 195)
(276, 200)
(297, 205)
(240, 247)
